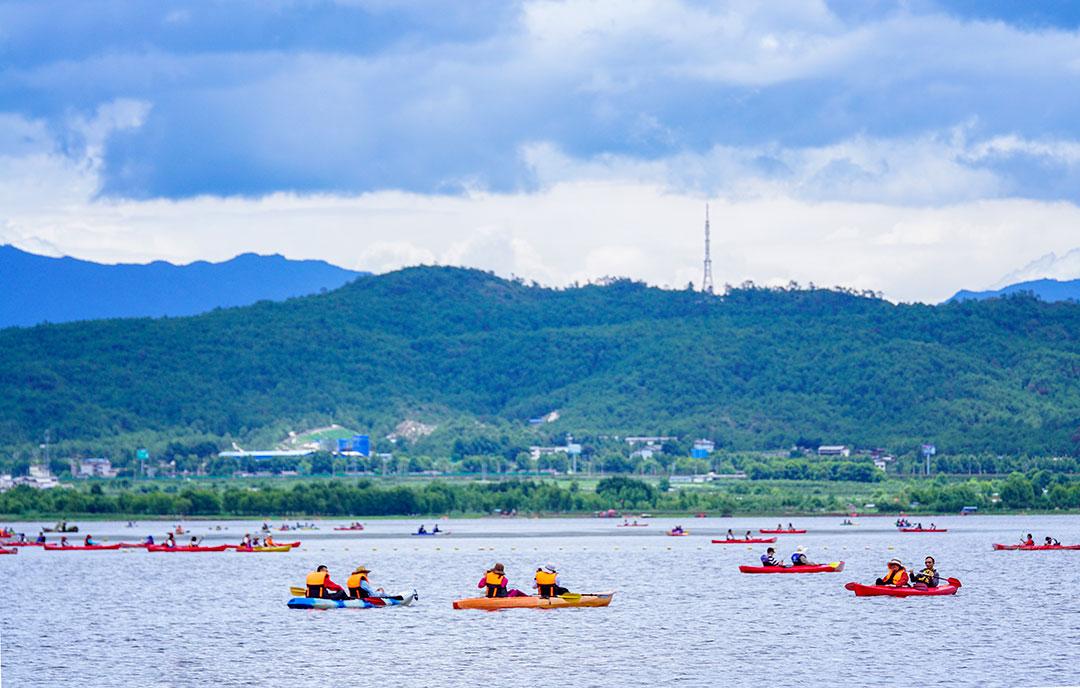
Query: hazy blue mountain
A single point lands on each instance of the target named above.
(35, 289)
(1046, 289)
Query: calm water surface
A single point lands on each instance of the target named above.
(683, 614)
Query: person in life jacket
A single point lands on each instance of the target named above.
(64, 541)
(730, 535)
(268, 541)
(799, 558)
(928, 577)
(749, 535)
(769, 558)
(494, 582)
(360, 587)
(897, 575)
(41, 538)
(1051, 542)
(421, 530)
(89, 540)
(1027, 541)
(319, 585)
(170, 540)
(149, 540)
(547, 582)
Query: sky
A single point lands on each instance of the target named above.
(913, 148)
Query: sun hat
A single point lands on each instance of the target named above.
(895, 561)
(497, 567)
(550, 568)
(361, 569)
(800, 550)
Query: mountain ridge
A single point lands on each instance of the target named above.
(1046, 289)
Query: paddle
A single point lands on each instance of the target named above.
(571, 596)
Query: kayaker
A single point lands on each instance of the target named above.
(730, 535)
(933, 526)
(678, 530)
(749, 535)
(436, 529)
(149, 540)
(769, 558)
(269, 541)
(790, 527)
(1028, 541)
(779, 526)
(799, 558)
(40, 538)
(64, 541)
(89, 540)
(547, 582)
(422, 530)
(928, 577)
(360, 587)
(897, 575)
(194, 542)
(1051, 542)
(245, 542)
(319, 585)
(494, 581)
(170, 540)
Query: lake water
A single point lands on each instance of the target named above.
(683, 614)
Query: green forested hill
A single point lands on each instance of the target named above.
(753, 369)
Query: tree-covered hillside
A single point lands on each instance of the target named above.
(753, 369)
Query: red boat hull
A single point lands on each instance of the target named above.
(774, 531)
(76, 548)
(861, 590)
(751, 541)
(1036, 548)
(924, 530)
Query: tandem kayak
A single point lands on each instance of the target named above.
(924, 530)
(186, 548)
(776, 531)
(599, 599)
(678, 533)
(23, 544)
(1034, 548)
(833, 567)
(365, 603)
(75, 548)
(861, 590)
(632, 525)
(747, 541)
(276, 548)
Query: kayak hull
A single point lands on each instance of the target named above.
(186, 548)
(924, 530)
(861, 590)
(367, 603)
(4, 550)
(601, 599)
(682, 534)
(1035, 548)
(278, 548)
(751, 541)
(774, 531)
(79, 548)
(24, 544)
(823, 568)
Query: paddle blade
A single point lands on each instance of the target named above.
(953, 581)
(298, 592)
(837, 565)
(571, 596)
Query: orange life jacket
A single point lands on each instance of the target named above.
(898, 577)
(494, 581)
(545, 578)
(316, 583)
(353, 584)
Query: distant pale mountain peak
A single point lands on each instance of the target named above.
(36, 288)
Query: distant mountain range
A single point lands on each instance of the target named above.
(1045, 289)
(35, 289)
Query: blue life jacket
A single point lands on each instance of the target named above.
(797, 558)
(764, 559)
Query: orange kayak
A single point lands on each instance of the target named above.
(600, 599)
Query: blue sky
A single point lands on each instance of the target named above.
(153, 122)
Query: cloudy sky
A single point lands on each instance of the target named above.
(914, 148)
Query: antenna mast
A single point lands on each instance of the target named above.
(706, 279)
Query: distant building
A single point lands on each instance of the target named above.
(571, 449)
(6, 482)
(834, 450)
(702, 449)
(650, 439)
(95, 468)
(40, 478)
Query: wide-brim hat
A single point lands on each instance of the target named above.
(550, 568)
(800, 550)
(895, 561)
(361, 569)
(497, 567)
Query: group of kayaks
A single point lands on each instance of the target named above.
(51, 547)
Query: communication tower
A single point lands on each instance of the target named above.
(706, 279)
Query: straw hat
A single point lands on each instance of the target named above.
(361, 569)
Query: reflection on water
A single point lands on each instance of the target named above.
(683, 614)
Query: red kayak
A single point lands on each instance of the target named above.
(350, 528)
(834, 567)
(775, 531)
(186, 548)
(276, 544)
(924, 530)
(861, 590)
(750, 541)
(23, 544)
(1031, 548)
(4, 550)
(75, 548)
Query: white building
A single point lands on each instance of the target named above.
(834, 450)
(96, 468)
(40, 478)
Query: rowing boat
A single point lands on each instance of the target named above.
(364, 603)
(747, 541)
(832, 567)
(600, 599)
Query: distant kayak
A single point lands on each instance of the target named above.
(924, 530)
(834, 567)
(861, 590)
(1035, 548)
(632, 525)
(276, 548)
(24, 544)
(775, 531)
(186, 548)
(74, 548)
(350, 528)
(365, 603)
(441, 532)
(600, 599)
(678, 533)
(749, 541)
(4, 550)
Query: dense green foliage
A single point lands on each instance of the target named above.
(478, 356)
(1040, 490)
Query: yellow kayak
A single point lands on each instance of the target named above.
(276, 548)
(600, 599)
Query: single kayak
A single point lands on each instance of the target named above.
(1031, 548)
(600, 599)
(924, 530)
(747, 541)
(186, 548)
(833, 567)
(775, 531)
(73, 548)
(364, 603)
(861, 590)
